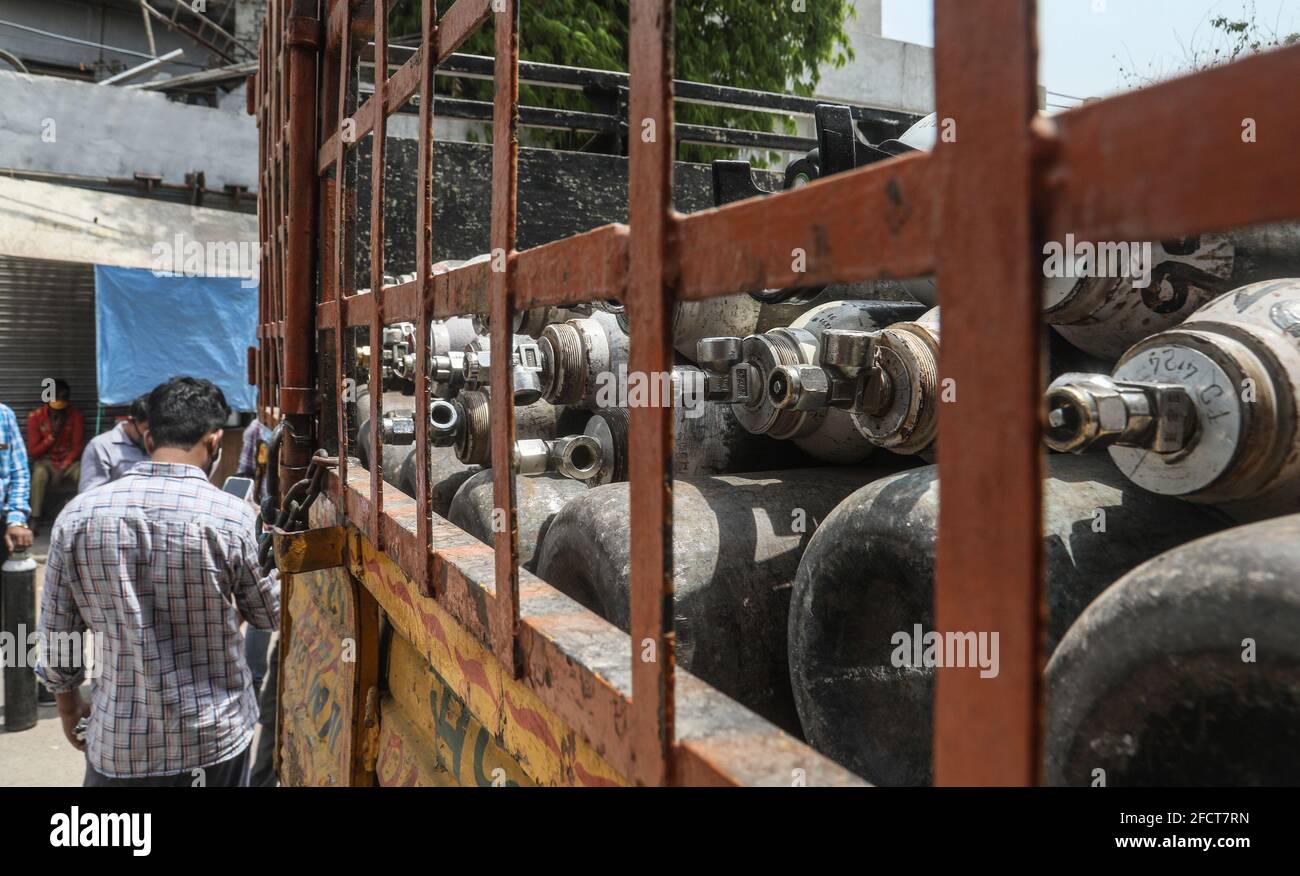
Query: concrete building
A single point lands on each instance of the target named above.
(885, 73)
(95, 39)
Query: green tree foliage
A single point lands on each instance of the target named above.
(769, 45)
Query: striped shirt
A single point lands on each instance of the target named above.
(161, 566)
(15, 479)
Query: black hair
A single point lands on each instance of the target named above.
(140, 409)
(61, 388)
(183, 410)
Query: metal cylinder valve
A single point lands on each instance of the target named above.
(1206, 411)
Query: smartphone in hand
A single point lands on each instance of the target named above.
(241, 487)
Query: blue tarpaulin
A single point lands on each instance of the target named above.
(151, 327)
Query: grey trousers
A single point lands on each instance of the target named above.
(263, 775)
(232, 773)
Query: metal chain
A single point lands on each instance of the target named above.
(291, 516)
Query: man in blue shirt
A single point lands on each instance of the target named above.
(15, 484)
(109, 456)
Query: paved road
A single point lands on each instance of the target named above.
(40, 756)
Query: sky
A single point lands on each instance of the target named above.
(1083, 44)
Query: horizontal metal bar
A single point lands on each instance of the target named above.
(532, 116)
(703, 93)
(1207, 152)
(402, 85)
(873, 222)
(603, 123)
(575, 661)
(743, 138)
(586, 267)
(458, 24)
(591, 266)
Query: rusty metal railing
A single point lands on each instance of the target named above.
(975, 211)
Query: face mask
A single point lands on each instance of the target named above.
(58, 404)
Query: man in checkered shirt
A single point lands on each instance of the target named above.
(162, 565)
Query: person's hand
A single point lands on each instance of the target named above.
(72, 708)
(17, 537)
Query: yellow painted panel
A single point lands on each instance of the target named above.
(316, 698)
(406, 758)
(460, 743)
(549, 751)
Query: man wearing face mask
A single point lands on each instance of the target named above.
(55, 437)
(109, 456)
(162, 566)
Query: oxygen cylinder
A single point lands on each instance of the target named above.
(579, 357)
(537, 499)
(446, 474)
(729, 315)
(1186, 671)
(465, 423)
(866, 584)
(737, 544)
(708, 439)
(1205, 411)
(18, 609)
(753, 374)
(395, 455)
(887, 381)
(454, 335)
(1106, 315)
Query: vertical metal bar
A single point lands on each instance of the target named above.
(423, 250)
(342, 251)
(257, 87)
(374, 530)
(505, 155)
(651, 269)
(990, 562)
(299, 108)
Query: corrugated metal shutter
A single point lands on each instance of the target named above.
(47, 329)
